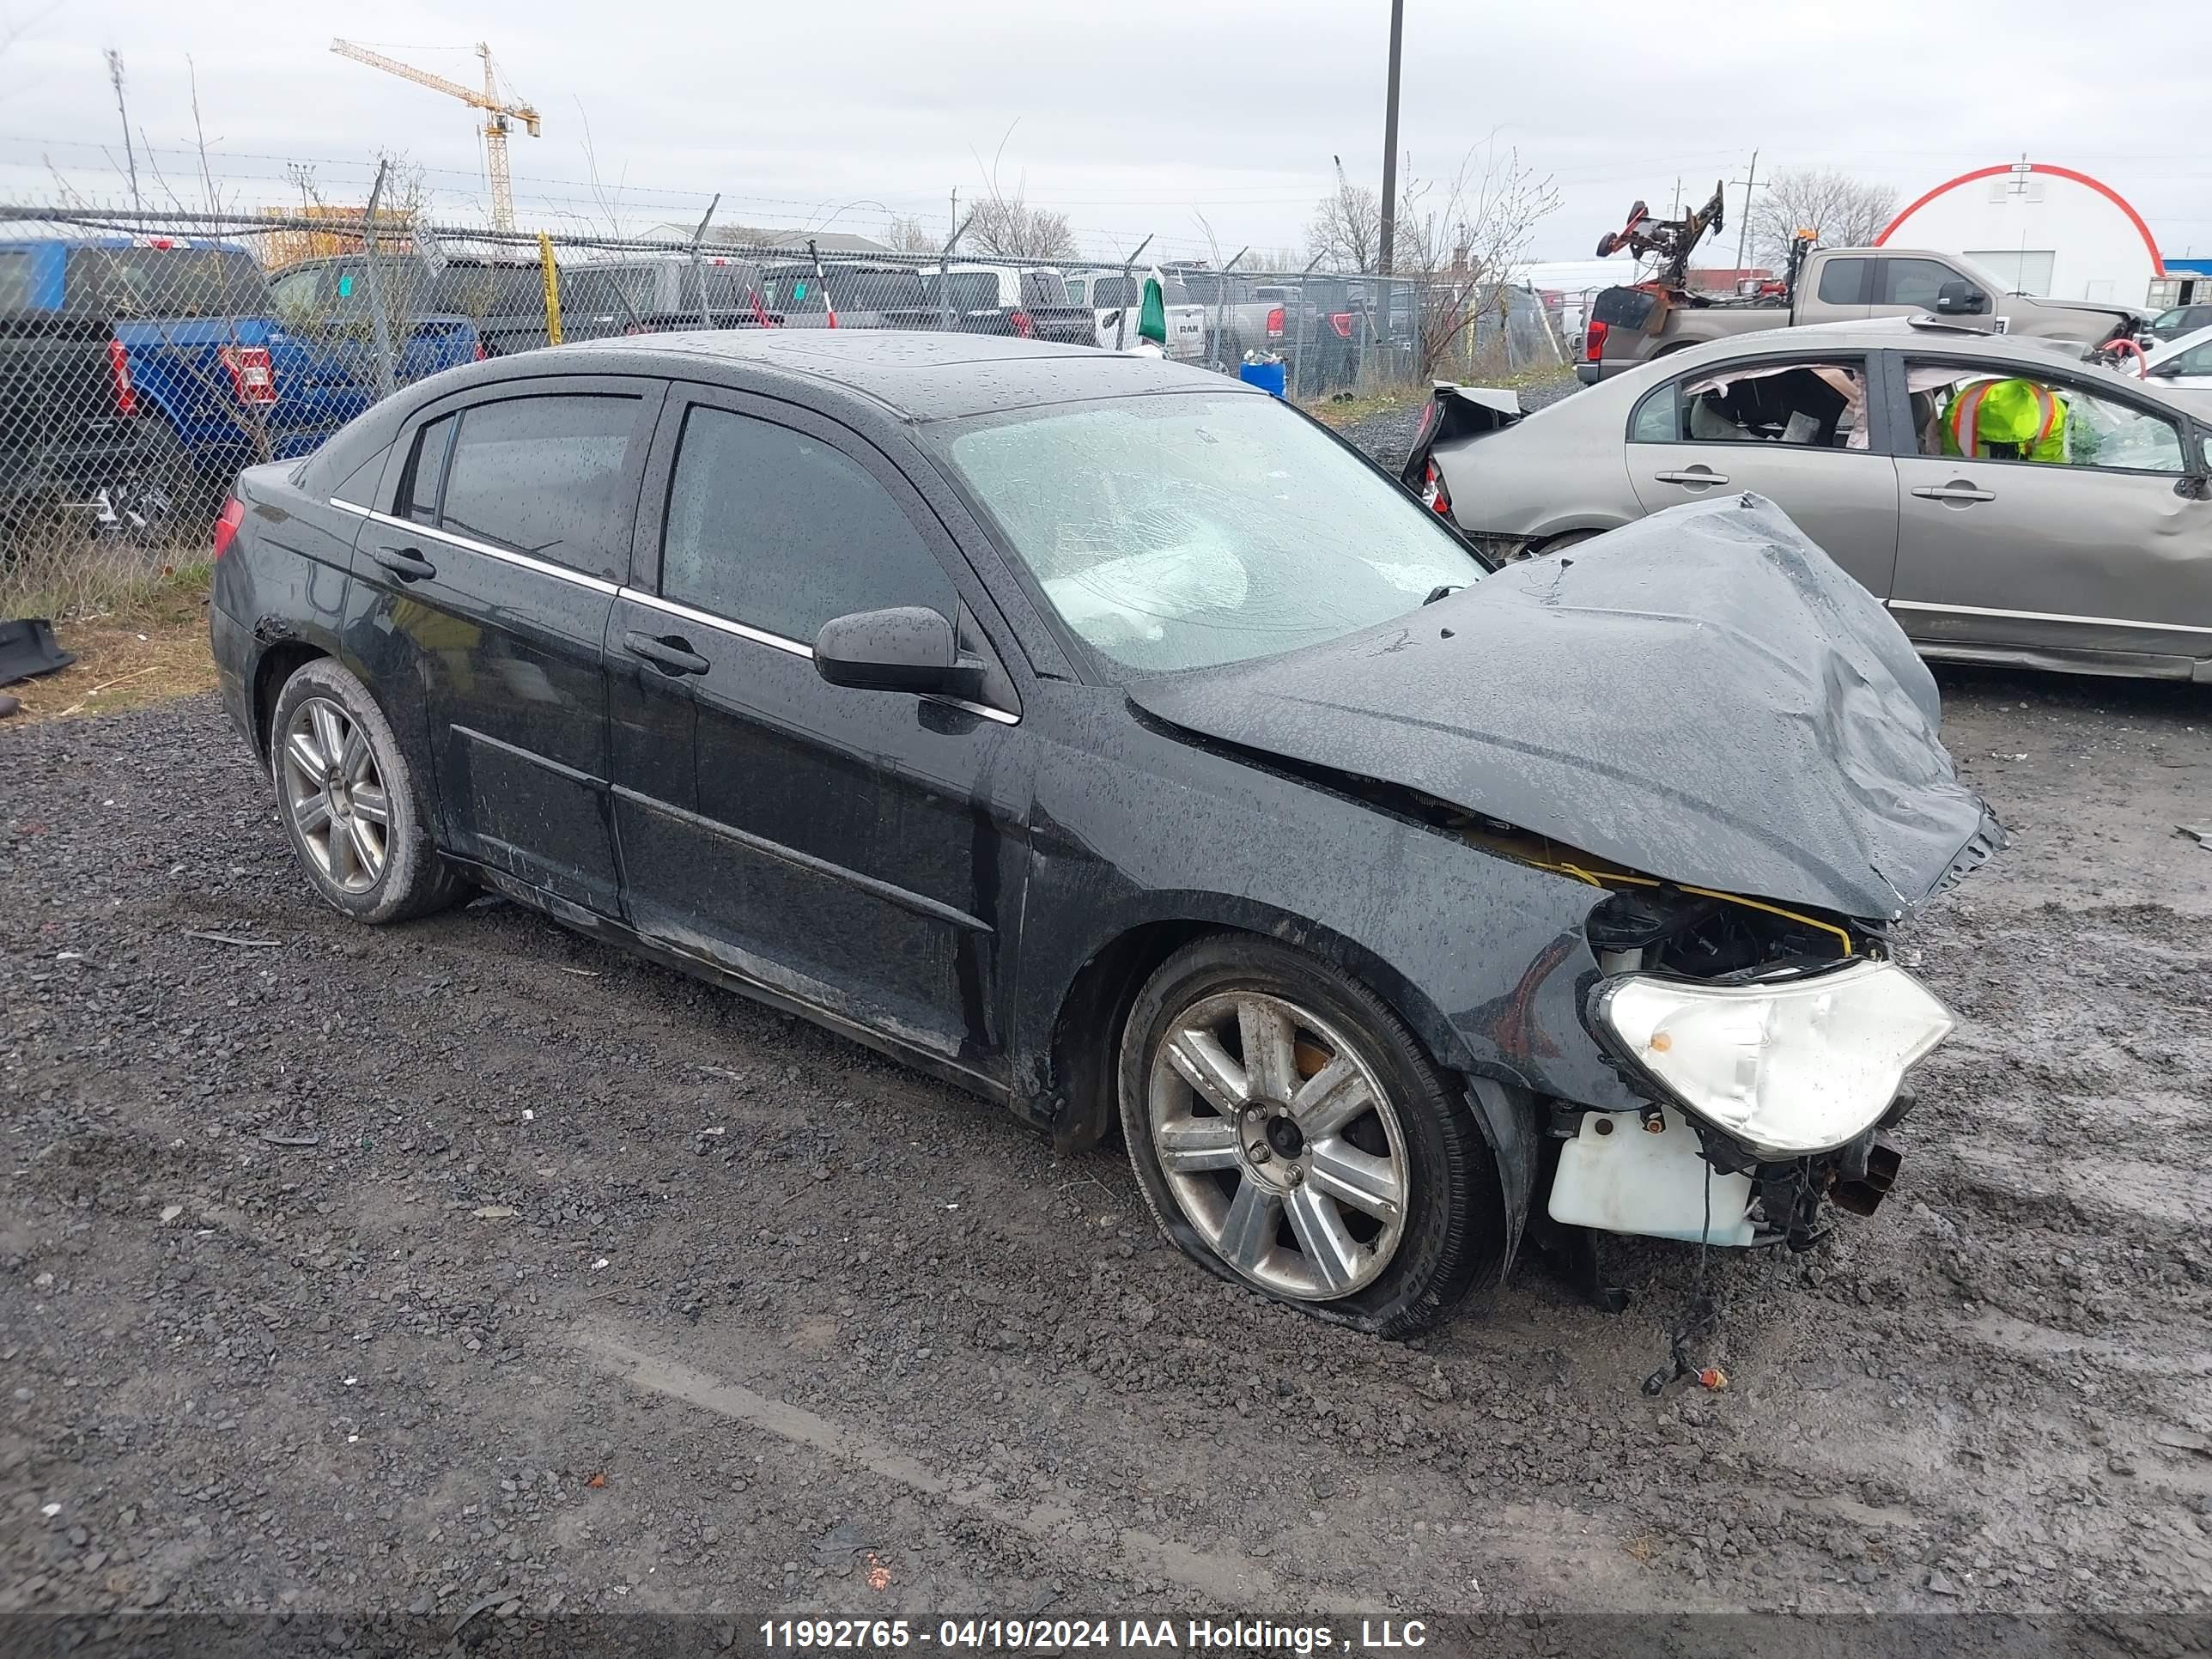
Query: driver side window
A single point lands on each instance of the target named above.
(774, 528)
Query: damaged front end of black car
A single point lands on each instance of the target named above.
(1700, 717)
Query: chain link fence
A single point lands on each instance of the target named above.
(145, 357)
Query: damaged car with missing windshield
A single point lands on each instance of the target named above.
(1118, 744)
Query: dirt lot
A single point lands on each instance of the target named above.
(469, 1264)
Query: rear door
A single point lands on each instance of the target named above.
(2101, 553)
(482, 593)
(860, 852)
(1795, 430)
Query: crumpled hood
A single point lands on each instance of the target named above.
(1702, 696)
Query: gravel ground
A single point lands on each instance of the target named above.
(469, 1264)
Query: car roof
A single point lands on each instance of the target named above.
(923, 376)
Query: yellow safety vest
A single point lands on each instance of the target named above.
(2026, 418)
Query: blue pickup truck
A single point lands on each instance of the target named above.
(198, 345)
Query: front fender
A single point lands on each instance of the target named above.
(1482, 957)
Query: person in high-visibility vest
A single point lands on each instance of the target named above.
(2006, 421)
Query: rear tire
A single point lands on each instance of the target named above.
(1289, 1133)
(348, 801)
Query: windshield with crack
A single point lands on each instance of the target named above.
(1185, 531)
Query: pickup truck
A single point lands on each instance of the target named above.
(192, 320)
(1001, 300)
(1634, 324)
(1115, 298)
(324, 303)
(1241, 315)
(848, 294)
(75, 440)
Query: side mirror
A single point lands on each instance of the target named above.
(1960, 299)
(905, 647)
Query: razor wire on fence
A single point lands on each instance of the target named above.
(147, 357)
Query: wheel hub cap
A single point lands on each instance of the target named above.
(335, 794)
(1279, 1145)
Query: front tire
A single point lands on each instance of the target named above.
(347, 798)
(1290, 1134)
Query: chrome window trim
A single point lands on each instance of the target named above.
(707, 619)
(652, 601)
(2047, 616)
(795, 648)
(505, 556)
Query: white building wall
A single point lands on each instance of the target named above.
(2053, 236)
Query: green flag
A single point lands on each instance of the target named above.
(1152, 321)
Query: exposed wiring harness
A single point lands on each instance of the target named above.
(1701, 1318)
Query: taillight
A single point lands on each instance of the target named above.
(1341, 322)
(226, 523)
(1431, 412)
(1433, 493)
(119, 372)
(253, 377)
(1594, 341)
(481, 353)
(1023, 326)
(1275, 324)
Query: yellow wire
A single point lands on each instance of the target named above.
(1842, 935)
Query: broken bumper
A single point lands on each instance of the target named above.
(1659, 1175)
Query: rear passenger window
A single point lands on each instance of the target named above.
(538, 475)
(1654, 421)
(1843, 281)
(782, 531)
(426, 472)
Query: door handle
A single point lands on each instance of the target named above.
(406, 563)
(671, 654)
(1957, 491)
(1696, 475)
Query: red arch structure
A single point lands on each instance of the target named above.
(2157, 265)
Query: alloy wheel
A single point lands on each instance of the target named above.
(1280, 1145)
(336, 794)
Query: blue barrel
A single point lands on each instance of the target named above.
(1268, 377)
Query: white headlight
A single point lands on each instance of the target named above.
(1798, 1066)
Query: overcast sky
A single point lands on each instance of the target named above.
(1133, 118)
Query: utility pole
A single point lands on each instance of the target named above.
(1389, 224)
(1743, 224)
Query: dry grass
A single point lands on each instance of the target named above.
(1343, 409)
(151, 647)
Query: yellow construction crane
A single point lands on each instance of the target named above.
(497, 113)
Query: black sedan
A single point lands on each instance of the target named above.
(1115, 742)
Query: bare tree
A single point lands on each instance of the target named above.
(1841, 211)
(1345, 233)
(907, 234)
(1005, 227)
(122, 113)
(1458, 241)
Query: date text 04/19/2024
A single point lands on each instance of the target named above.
(1098, 1635)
